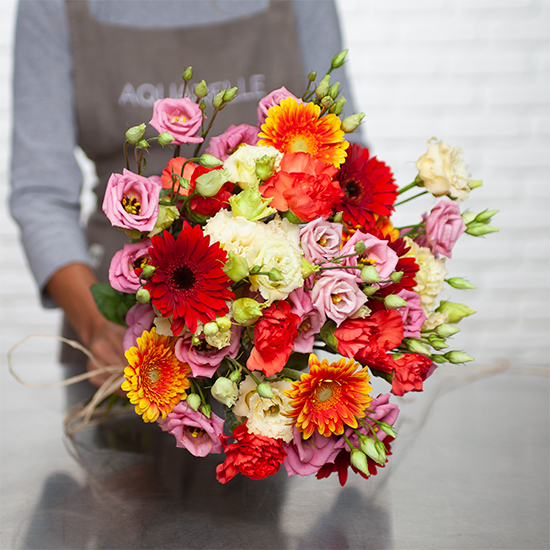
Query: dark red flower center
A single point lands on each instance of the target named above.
(183, 277)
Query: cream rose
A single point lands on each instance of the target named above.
(443, 171)
(430, 276)
(265, 415)
(241, 165)
(434, 319)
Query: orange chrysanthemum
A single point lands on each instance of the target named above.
(293, 127)
(329, 396)
(155, 379)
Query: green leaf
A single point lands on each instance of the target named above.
(113, 305)
(327, 334)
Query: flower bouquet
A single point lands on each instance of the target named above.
(273, 245)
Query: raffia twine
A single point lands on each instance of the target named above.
(81, 415)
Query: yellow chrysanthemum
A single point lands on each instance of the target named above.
(293, 127)
(155, 378)
(329, 397)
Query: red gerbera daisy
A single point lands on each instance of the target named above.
(368, 187)
(188, 284)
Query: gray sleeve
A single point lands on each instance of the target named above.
(46, 180)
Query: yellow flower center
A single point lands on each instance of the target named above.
(303, 143)
(131, 205)
(336, 298)
(181, 119)
(194, 431)
(322, 241)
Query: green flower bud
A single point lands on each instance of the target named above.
(338, 59)
(246, 311)
(201, 89)
(387, 429)
(224, 323)
(148, 270)
(229, 95)
(479, 229)
(393, 301)
(202, 105)
(475, 183)
(358, 460)
(460, 283)
(368, 446)
(165, 139)
(209, 161)
(188, 74)
(370, 290)
(334, 90)
(265, 167)
(236, 267)
(323, 87)
(225, 391)
(416, 347)
(143, 144)
(235, 376)
(456, 357)
(308, 268)
(211, 328)
(312, 76)
(438, 358)
(369, 274)
(264, 389)
(143, 296)
(167, 216)
(327, 102)
(194, 401)
(275, 275)
(455, 312)
(350, 123)
(396, 276)
(437, 343)
(218, 99)
(135, 133)
(210, 183)
(338, 107)
(251, 204)
(206, 410)
(338, 217)
(445, 330)
(360, 247)
(468, 217)
(327, 334)
(195, 341)
(486, 216)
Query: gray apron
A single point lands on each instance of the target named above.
(117, 70)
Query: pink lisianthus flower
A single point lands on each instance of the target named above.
(304, 458)
(312, 320)
(337, 296)
(224, 145)
(132, 201)
(274, 98)
(193, 431)
(205, 359)
(321, 240)
(377, 253)
(444, 225)
(380, 409)
(181, 118)
(139, 318)
(122, 274)
(412, 314)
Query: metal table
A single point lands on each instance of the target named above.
(470, 470)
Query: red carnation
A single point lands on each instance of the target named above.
(368, 187)
(274, 336)
(254, 456)
(188, 283)
(409, 373)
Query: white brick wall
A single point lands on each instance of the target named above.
(472, 72)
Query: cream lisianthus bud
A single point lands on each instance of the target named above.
(457, 357)
(275, 275)
(486, 216)
(246, 311)
(167, 216)
(165, 139)
(225, 391)
(201, 89)
(229, 95)
(369, 274)
(143, 296)
(445, 330)
(251, 204)
(455, 312)
(468, 217)
(416, 347)
(358, 459)
(194, 401)
(211, 328)
(396, 276)
(338, 59)
(437, 343)
(264, 389)
(393, 301)
(209, 161)
(370, 290)
(460, 283)
(368, 446)
(387, 429)
(350, 123)
(323, 87)
(479, 229)
(148, 270)
(206, 410)
(218, 99)
(308, 268)
(360, 247)
(210, 183)
(265, 167)
(338, 107)
(236, 267)
(135, 133)
(224, 323)
(334, 90)
(327, 102)
(475, 183)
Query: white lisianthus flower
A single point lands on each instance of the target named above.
(219, 340)
(284, 228)
(430, 276)
(265, 415)
(241, 165)
(277, 253)
(443, 171)
(434, 319)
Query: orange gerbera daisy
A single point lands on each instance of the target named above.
(329, 396)
(293, 127)
(155, 379)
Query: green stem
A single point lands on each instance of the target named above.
(411, 198)
(407, 187)
(126, 158)
(291, 373)
(205, 133)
